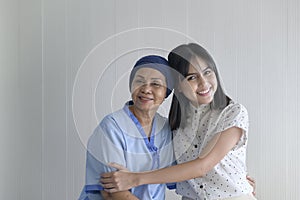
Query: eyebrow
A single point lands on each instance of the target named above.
(189, 74)
(198, 72)
(140, 76)
(207, 68)
(156, 79)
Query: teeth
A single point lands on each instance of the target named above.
(203, 92)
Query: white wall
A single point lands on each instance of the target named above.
(21, 100)
(62, 65)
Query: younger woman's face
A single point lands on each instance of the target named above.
(200, 84)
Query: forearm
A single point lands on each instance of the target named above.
(194, 168)
(124, 195)
(123, 180)
(177, 173)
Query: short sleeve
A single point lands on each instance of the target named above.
(104, 146)
(235, 115)
(90, 195)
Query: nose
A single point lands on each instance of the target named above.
(202, 80)
(146, 88)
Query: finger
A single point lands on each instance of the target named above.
(107, 185)
(252, 183)
(117, 166)
(105, 180)
(107, 175)
(110, 190)
(250, 179)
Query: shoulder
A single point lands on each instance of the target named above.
(234, 109)
(235, 114)
(108, 131)
(114, 115)
(109, 124)
(113, 119)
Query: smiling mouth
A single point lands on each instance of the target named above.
(145, 98)
(204, 92)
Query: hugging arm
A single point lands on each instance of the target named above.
(123, 195)
(105, 145)
(123, 180)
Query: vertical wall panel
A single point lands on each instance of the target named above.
(9, 60)
(30, 99)
(88, 24)
(54, 100)
(273, 96)
(292, 97)
(21, 100)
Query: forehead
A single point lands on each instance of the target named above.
(151, 73)
(197, 64)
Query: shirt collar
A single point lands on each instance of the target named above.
(203, 108)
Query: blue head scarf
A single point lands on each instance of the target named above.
(158, 63)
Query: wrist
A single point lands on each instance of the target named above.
(137, 180)
(142, 178)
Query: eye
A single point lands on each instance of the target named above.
(138, 81)
(207, 72)
(191, 77)
(156, 84)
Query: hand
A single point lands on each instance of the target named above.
(252, 183)
(116, 181)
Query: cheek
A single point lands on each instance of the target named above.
(191, 87)
(134, 88)
(161, 94)
(184, 86)
(187, 89)
(134, 92)
(215, 83)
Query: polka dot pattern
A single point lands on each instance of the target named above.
(227, 178)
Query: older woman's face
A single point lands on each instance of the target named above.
(148, 89)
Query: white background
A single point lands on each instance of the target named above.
(62, 62)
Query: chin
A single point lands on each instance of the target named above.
(205, 102)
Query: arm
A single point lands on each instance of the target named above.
(124, 195)
(123, 180)
(105, 145)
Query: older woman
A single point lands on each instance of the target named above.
(136, 136)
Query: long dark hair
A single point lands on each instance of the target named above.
(179, 59)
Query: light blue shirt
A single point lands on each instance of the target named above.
(120, 138)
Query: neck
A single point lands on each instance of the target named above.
(145, 119)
